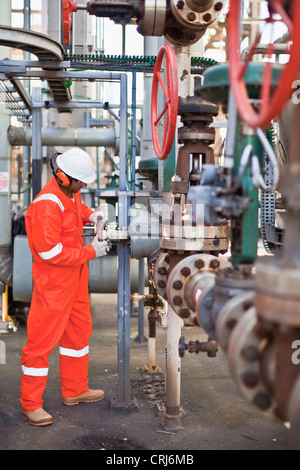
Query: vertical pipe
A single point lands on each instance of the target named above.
(123, 39)
(36, 143)
(173, 374)
(123, 257)
(141, 281)
(5, 195)
(26, 149)
(152, 367)
(140, 338)
(133, 130)
(141, 302)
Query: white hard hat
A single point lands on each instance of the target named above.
(78, 164)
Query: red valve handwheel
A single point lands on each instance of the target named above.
(170, 109)
(68, 7)
(270, 106)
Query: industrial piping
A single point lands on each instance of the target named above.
(105, 137)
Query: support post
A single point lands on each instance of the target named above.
(123, 396)
(140, 338)
(26, 148)
(36, 144)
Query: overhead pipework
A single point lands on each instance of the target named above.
(181, 22)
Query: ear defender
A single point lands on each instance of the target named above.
(62, 178)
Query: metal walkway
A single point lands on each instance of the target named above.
(49, 52)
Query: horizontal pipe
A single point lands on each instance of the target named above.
(103, 275)
(103, 272)
(143, 247)
(53, 136)
(69, 137)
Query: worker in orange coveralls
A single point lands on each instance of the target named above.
(60, 309)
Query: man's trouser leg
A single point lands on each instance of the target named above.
(47, 320)
(74, 343)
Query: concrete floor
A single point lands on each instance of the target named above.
(216, 416)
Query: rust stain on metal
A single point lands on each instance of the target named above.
(184, 75)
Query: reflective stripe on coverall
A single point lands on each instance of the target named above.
(60, 309)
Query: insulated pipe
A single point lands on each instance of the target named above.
(52, 136)
(103, 272)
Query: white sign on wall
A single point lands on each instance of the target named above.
(4, 182)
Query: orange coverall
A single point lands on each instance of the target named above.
(60, 309)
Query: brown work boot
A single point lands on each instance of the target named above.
(38, 417)
(89, 397)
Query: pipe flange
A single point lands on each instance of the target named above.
(196, 109)
(181, 275)
(187, 15)
(186, 134)
(160, 274)
(229, 316)
(277, 291)
(190, 238)
(245, 355)
(277, 280)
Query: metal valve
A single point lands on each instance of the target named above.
(210, 347)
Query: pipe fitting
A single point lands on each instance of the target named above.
(188, 281)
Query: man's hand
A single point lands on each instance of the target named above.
(99, 247)
(93, 217)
